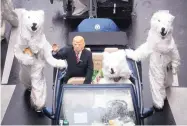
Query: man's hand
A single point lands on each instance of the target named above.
(55, 47)
(27, 51)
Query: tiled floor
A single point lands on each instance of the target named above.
(177, 100)
(6, 95)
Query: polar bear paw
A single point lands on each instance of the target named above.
(174, 70)
(61, 64)
(128, 75)
(130, 54)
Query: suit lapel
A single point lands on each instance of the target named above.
(82, 55)
(74, 55)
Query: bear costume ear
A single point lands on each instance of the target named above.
(22, 11)
(106, 55)
(163, 11)
(41, 12)
(121, 54)
(172, 18)
(154, 14)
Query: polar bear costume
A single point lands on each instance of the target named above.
(116, 71)
(115, 68)
(161, 48)
(32, 67)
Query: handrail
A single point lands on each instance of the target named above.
(141, 93)
(54, 90)
(54, 95)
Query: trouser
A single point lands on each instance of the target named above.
(158, 77)
(33, 78)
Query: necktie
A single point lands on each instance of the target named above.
(77, 57)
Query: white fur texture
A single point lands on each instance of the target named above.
(32, 67)
(161, 48)
(114, 66)
(7, 14)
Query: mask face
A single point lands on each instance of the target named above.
(162, 22)
(115, 65)
(33, 20)
(78, 43)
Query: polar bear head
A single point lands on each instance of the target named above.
(32, 21)
(32, 34)
(162, 22)
(115, 65)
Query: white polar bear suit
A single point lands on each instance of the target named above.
(116, 71)
(32, 67)
(115, 68)
(161, 48)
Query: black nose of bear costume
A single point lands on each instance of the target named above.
(34, 26)
(112, 71)
(163, 32)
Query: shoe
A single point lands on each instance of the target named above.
(28, 90)
(27, 94)
(38, 111)
(147, 112)
(158, 109)
(40, 114)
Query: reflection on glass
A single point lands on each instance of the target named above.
(99, 107)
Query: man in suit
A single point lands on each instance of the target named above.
(79, 60)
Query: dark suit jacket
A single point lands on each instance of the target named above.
(82, 69)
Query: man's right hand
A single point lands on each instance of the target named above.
(55, 48)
